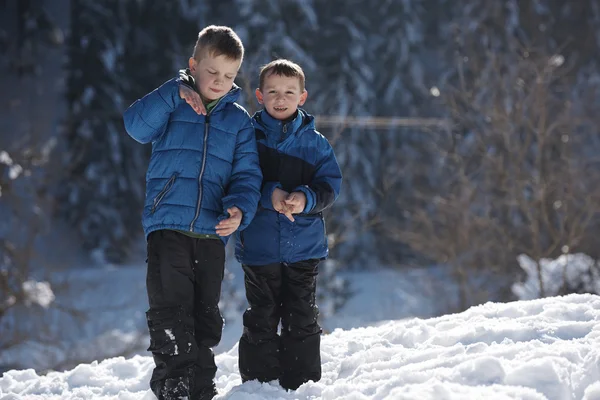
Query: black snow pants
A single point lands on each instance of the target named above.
(184, 286)
(281, 293)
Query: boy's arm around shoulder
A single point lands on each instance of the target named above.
(246, 177)
(325, 186)
(146, 119)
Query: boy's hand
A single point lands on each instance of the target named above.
(192, 98)
(227, 226)
(295, 202)
(278, 200)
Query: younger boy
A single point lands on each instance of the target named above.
(281, 248)
(202, 184)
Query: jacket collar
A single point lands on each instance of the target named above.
(274, 128)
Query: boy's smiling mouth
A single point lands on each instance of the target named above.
(280, 109)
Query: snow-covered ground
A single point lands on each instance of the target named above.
(530, 350)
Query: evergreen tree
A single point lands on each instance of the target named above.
(27, 142)
(405, 38)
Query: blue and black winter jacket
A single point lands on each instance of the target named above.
(294, 157)
(200, 165)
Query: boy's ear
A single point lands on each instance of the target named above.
(259, 95)
(192, 63)
(303, 97)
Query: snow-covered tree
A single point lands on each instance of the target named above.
(27, 162)
(569, 273)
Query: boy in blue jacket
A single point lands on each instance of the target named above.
(203, 184)
(281, 248)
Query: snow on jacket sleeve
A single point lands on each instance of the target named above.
(246, 176)
(146, 119)
(324, 189)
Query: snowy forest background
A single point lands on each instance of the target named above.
(466, 131)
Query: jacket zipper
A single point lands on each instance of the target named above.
(206, 126)
(284, 132)
(163, 192)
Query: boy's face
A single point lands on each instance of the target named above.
(281, 95)
(214, 75)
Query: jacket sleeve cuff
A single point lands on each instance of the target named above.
(236, 202)
(310, 197)
(266, 199)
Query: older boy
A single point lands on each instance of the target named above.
(281, 248)
(203, 183)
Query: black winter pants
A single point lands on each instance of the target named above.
(281, 293)
(184, 285)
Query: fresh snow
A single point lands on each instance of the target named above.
(530, 350)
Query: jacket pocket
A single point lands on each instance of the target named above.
(310, 238)
(163, 192)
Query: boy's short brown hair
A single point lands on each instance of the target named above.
(218, 40)
(282, 67)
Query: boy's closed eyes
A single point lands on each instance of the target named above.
(214, 75)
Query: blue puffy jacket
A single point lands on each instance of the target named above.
(200, 165)
(294, 157)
